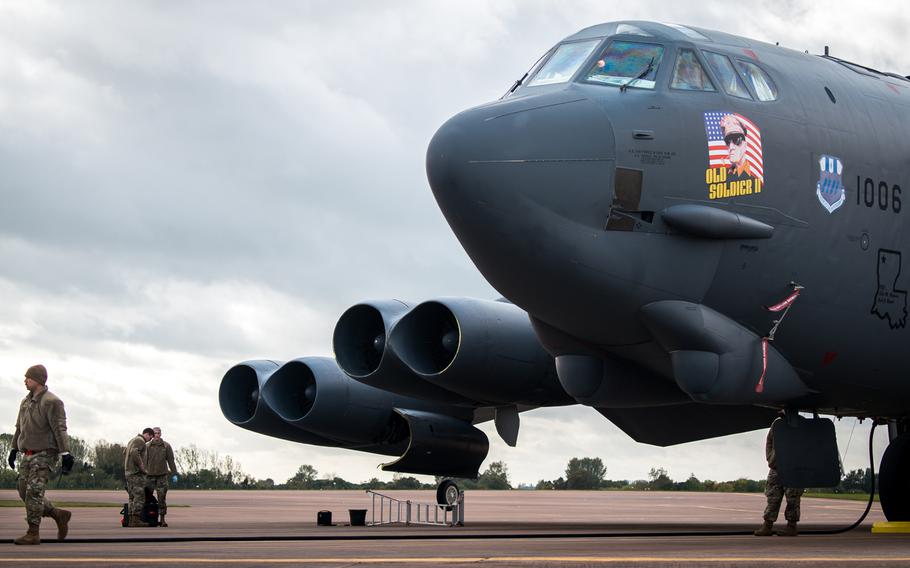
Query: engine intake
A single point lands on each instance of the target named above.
(241, 402)
(312, 393)
(481, 349)
(362, 348)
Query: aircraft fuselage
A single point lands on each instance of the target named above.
(559, 193)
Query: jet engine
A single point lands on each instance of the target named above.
(313, 394)
(483, 350)
(242, 403)
(361, 343)
(311, 400)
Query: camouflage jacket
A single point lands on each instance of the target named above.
(160, 457)
(41, 424)
(134, 462)
(770, 454)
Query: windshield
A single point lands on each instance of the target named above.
(564, 62)
(626, 63)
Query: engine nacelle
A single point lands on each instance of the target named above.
(312, 393)
(242, 404)
(439, 443)
(483, 350)
(363, 352)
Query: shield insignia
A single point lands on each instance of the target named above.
(830, 187)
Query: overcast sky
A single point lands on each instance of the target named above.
(186, 185)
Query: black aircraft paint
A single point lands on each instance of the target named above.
(687, 227)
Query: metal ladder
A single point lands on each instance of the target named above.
(406, 512)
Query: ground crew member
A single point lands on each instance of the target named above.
(40, 437)
(160, 465)
(775, 493)
(134, 469)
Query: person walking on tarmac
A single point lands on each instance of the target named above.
(160, 464)
(775, 492)
(40, 437)
(134, 469)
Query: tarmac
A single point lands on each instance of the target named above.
(502, 528)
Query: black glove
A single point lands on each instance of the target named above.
(68, 463)
(11, 460)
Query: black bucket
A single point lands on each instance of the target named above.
(324, 518)
(358, 517)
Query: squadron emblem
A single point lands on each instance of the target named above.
(830, 187)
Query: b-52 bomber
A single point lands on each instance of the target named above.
(691, 232)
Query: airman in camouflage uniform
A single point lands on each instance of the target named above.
(135, 471)
(775, 492)
(40, 437)
(160, 465)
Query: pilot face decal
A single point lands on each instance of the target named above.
(734, 155)
(830, 187)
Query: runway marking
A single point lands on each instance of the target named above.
(750, 511)
(778, 560)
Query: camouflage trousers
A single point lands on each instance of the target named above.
(135, 486)
(158, 484)
(34, 471)
(775, 492)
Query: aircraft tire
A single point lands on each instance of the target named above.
(894, 480)
(443, 493)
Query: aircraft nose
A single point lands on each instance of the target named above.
(555, 151)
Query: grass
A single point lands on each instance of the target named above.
(64, 504)
(843, 496)
(73, 504)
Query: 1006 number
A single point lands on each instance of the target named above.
(881, 195)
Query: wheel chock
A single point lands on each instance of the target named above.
(889, 527)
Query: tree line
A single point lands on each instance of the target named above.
(99, 465)
(590, 473)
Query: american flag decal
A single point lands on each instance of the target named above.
(717, 148)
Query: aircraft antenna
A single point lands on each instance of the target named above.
(826, 51)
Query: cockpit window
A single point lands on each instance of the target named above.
(728, 77)
(688, 74)
(688, 32)
(761, 83)
(626, 63)
(564, 62)
(629, 29)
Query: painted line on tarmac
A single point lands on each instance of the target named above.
(776, 560)
(750, 511)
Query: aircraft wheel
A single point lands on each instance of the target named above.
(447, 493)
(894, 480)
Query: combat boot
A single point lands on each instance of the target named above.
(789, 531)
(31, 537)
(163, 523)
(765, 529)
(62, 518)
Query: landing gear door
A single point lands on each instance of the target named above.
(624, 210)
(806, 452)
